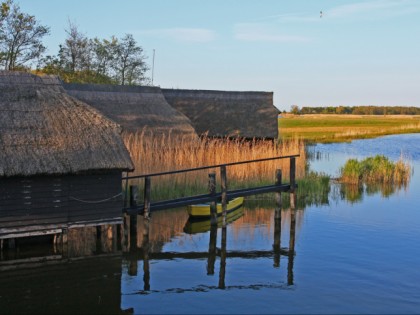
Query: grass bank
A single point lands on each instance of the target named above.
(340, 128)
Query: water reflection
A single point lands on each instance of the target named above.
(355, 193)
(141, 254)
(80, 276)
(202, 226)
(85, 270)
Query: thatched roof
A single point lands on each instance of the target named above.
(43, 130)
(135, 108)
(227, 114)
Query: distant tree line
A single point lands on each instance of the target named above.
(357, 110)
(79, 60)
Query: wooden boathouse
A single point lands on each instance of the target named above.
(60, 159)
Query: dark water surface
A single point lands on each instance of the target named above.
(351, 255)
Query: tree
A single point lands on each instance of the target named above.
(129, 64)
(104, 52)
(294, 109)
(20, 37)
(75, 53)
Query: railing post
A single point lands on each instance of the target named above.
(146, 214)
(293, 183)
(278, 195)
(292, 174)
(213, 205)
(223, 178)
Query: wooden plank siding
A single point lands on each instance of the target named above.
(31, 203)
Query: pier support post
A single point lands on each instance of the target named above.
(133, 217)
(277, 197)
(292, 183)
(213, 205)
(223, 178)
(146, 214)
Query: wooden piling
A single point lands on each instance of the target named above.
(223, 178)
(133, 217)
(277, 214)
(146, 214)
(147, 190)
(134, 195)
(292, 174)
(213, 204)
(293, 183)
(125, 233)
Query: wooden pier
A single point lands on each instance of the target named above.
(135, 208)
(147, 206)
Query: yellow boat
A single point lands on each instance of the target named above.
(200, 226)
(202, 211)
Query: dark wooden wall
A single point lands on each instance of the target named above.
(28, 203)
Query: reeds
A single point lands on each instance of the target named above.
(377, 169)
(152, 154)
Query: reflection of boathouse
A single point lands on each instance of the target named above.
(60, 159)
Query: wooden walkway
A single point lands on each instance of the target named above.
(147, 206)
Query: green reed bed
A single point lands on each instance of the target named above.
(377, 169)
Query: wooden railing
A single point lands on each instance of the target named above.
(134, 208)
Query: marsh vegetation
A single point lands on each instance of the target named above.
(159, 154)
(339, 128)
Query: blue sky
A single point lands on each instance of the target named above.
(357, 53)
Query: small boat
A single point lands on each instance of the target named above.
(202, 211)
(200, 226)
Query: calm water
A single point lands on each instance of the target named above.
(351, 255)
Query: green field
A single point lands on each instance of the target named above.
(338, 128)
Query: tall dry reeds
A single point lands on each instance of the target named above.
(152, 154)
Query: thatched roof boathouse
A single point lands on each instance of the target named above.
(227, 113)
(60, 159)
(135, 108)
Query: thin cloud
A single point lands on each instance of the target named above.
(374, 9)
(182, 34)
(259, 32)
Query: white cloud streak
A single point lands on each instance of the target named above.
(371, 9)
(263, 33)
(200, 35)
(374, 9)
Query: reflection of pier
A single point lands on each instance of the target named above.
(214, 253)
